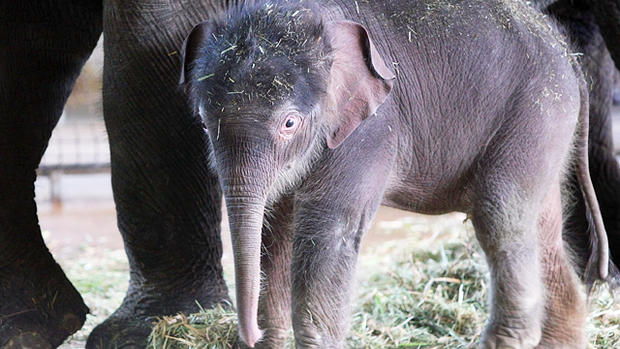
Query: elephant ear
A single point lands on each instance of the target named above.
(190, 50)
(359, 80)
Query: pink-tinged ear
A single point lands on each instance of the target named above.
(191, 46)
(359, 81)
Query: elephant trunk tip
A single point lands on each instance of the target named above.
(249, 332)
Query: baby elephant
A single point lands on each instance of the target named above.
(320, 111)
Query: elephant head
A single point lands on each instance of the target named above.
(274, 86)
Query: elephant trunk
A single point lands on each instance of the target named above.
(245, 214)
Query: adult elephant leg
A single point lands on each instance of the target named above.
(168, 200)
(43, 47)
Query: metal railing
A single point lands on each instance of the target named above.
(79, 145)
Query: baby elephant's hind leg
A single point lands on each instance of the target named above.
(506, 230)
(565, 307)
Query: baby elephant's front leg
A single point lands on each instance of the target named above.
(324, 256)
(275, 299)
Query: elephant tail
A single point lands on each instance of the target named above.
(599, 264)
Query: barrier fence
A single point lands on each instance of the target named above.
(79, 145)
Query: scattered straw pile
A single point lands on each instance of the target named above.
(209, 329)
(604, 320)
(433, 297)
(426, 299)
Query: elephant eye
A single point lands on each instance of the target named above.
(290, 125)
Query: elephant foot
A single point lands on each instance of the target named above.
(567, 332)
(273, 338)
(30, 340)
(37, 335)
(578, 344)
(39, 307)
(502, 337)
(131, 324)
(121, 332)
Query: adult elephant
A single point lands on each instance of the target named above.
(167, 198)
(168, 201)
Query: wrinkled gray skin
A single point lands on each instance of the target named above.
(476, 109)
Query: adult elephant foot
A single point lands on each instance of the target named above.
(121, 331)
(131, 324)
(40, 308)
